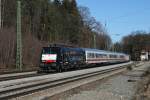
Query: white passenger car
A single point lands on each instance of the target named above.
(95, 56)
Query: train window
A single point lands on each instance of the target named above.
(45, 50)
(101, 55)
(48, 50)
(90, 55)
(97, 55)
(143, 53)
(104, 55)
(113, 56)
(121, 56)
(110, 56)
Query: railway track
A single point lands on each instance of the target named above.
(13, 76)
(14, 88)
(18, 75)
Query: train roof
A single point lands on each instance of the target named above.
(103, 51)
(84, 49)
(95, 50)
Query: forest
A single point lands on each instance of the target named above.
(56, 21)
(44, 22)
(133, 44)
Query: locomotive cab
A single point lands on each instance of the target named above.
(60, 58)
(50, 58)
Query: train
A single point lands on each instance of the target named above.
(60, 58)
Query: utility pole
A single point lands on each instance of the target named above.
(19, 40)
(0, 13)
(94, 40)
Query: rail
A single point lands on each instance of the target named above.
(10, 91)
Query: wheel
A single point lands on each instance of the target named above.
(59, 69)
(39, 71)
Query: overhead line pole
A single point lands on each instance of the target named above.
(0, 13)
(19, 38)
(94, 40)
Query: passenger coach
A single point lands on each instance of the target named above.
(94, 56)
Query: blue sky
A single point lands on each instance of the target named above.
(121, 16)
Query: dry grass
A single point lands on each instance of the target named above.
(143, 87)
(31, 50)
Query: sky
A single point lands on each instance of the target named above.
(120, 16)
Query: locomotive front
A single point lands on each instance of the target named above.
(49, 59)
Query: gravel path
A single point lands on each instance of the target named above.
(118, 87)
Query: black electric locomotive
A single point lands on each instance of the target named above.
(60, 58)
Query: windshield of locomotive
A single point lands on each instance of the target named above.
(48, 50)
